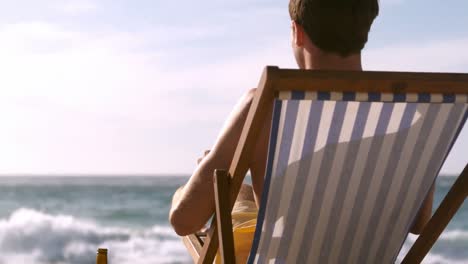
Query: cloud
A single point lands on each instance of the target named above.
(103, 103)
(127, 102)
(391, 2)
(75, 7)
(31, 37)
(437, 55)
(80, 107)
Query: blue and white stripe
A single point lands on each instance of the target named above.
(347, 173)
(375, 97)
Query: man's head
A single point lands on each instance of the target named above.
(334, 26)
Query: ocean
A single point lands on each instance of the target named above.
(60, 220)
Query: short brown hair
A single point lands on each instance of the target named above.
(337, 26)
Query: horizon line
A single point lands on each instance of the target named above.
(10, 175)
(118, 175)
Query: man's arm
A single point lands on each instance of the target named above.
(193, 204)
(424, 214)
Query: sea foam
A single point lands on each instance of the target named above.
(30, 236)
(431, 258)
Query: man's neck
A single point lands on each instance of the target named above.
(327, 61)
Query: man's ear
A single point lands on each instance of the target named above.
(298, 34)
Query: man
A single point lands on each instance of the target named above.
(327, 35)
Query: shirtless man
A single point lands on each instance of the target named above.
(327, 35)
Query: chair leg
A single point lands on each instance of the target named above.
(223, 216)
(439, 221)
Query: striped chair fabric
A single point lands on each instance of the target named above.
(347, 173)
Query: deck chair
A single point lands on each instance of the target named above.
(352, 156)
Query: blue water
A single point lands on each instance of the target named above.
(65, 219)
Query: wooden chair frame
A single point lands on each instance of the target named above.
(203, 246)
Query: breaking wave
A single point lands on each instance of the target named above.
(30, 236)
(449, 248)
(33, 237)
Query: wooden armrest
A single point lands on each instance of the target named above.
(223, 216)
(195, 243)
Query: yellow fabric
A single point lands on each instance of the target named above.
(244, 220)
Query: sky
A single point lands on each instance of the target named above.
(143, 86)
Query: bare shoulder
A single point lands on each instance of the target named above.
(236, 119)
(251, 92)
(248, 97)
(242, 107)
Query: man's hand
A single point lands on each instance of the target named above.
(204, 155)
